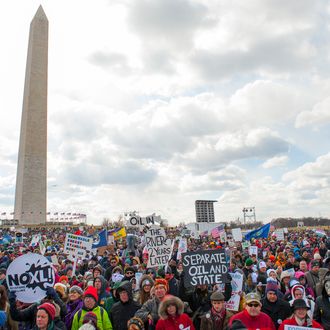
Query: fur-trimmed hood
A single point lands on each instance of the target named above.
(170, 300)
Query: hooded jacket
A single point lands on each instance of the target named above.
(322, 306)
(102, 294)
(122, 312)
(309, 302)
(179, 321)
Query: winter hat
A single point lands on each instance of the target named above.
(130, 269)
(262, 264)
(61, 289)
(217, 296)
(272, 286)
(99, 268)
(237, 325)
(49, 308)
(77, 289)
(299, 274)
(285, 274)
(248, 262)
(315, 263)
(91, 292)
(299, 303)
(162, 282)
(271, 258)
(63, 278)
(91, 318)
(270, 271)
(317, 256)
(147, 280)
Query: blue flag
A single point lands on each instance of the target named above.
(103, 239)
(261, 232)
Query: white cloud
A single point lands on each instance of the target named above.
(275, 161)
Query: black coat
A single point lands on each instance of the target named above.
(277, 311)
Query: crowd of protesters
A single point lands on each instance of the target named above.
(287, 283)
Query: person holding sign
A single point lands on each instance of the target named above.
(172, 316)
(300, 317)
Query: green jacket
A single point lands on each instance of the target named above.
(103, 321)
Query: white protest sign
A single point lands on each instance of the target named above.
(237, 234)
(111, 240)
(253, 250)
(159, 247)
(138, 277)
(137, 221)
(291, 271)
(182, 247)
(54, 260)
(285, 230)
(35, 240)
(42, 247)
(237, 285)
(77, 246)
(279, 233)
(117, 277)
(245, 245)
(296, 327)
(29, 276)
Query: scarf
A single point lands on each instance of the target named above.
(218, 318)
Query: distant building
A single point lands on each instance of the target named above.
(204, 210)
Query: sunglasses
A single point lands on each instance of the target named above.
(253, 305)
(129, 273)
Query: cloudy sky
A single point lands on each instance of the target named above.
(153, 104)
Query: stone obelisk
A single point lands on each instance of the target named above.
(31, 181)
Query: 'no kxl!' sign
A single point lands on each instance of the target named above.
(29, 276)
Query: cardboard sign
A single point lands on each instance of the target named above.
(253, 250)
(29, 276)
(237, 285)
(237, 234)
(77, 246)
(137, 221)
(204, 267)
(158, 246)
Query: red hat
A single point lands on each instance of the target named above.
(271, 257)
(49, 308)
(91, 292)
(161, 281)
(63, 278)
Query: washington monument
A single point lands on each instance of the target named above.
(31, 180)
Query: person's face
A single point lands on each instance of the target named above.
(123, 296)
(147, 288)
(218, 305)
(291, 258)
(305, 254)
(133, 327)
(171, 310)
(160, 292)
(298, 294)
(300, 312)
(302, 280)
(69, 273)
(96, 273)
(273, 275)
(129, 274)
(327, 287)
(74, 295)
(89, 302)
(271, 296)
(303, 266)
(253, 308)
(263, 269)
(113, 262)
(42, 319)
(315, 269)
(286, 280)
(98, 284)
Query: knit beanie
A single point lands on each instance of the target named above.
(147, 281)
(91, 318)
(49, 308)
(162, 282)
(64, 278)
(77, 289)
(248, 262)
(61, 289)
(272, 286)
(91, 292)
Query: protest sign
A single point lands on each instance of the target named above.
(35, 240)
(77, 246)
(137, 221)
(279, 233)
(29, 276)
(296, 327)
(253, 250)
(285, 230)
(182, 247)
(204, 267)
(245, 245)
(237, 285)
(54, 260)
(158, 246)
(291, 271)
(237, 234)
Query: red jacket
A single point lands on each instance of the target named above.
(292, 321)
(180, 322)
(261, 322)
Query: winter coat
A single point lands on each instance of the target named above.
(207, 322)
(322, 307)
(179, 321)
(149, 307)
(122, 312)
(309, 302)
(277, 311)
(72, 308)
(292, 321)
(261, 322)
(103, 294)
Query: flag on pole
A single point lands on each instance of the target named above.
(261, 232)
(102, 241)
(117, 233)
(217, 231)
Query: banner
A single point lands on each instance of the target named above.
(261, 232)
(77, 246)
(237, 234)
(159, 247)
(102, 240)
(237, 285)
(204, 267)
(117, 233)
(29, 276)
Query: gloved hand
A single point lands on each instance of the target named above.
(227, 278)
(51, 293)
(12, 297)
